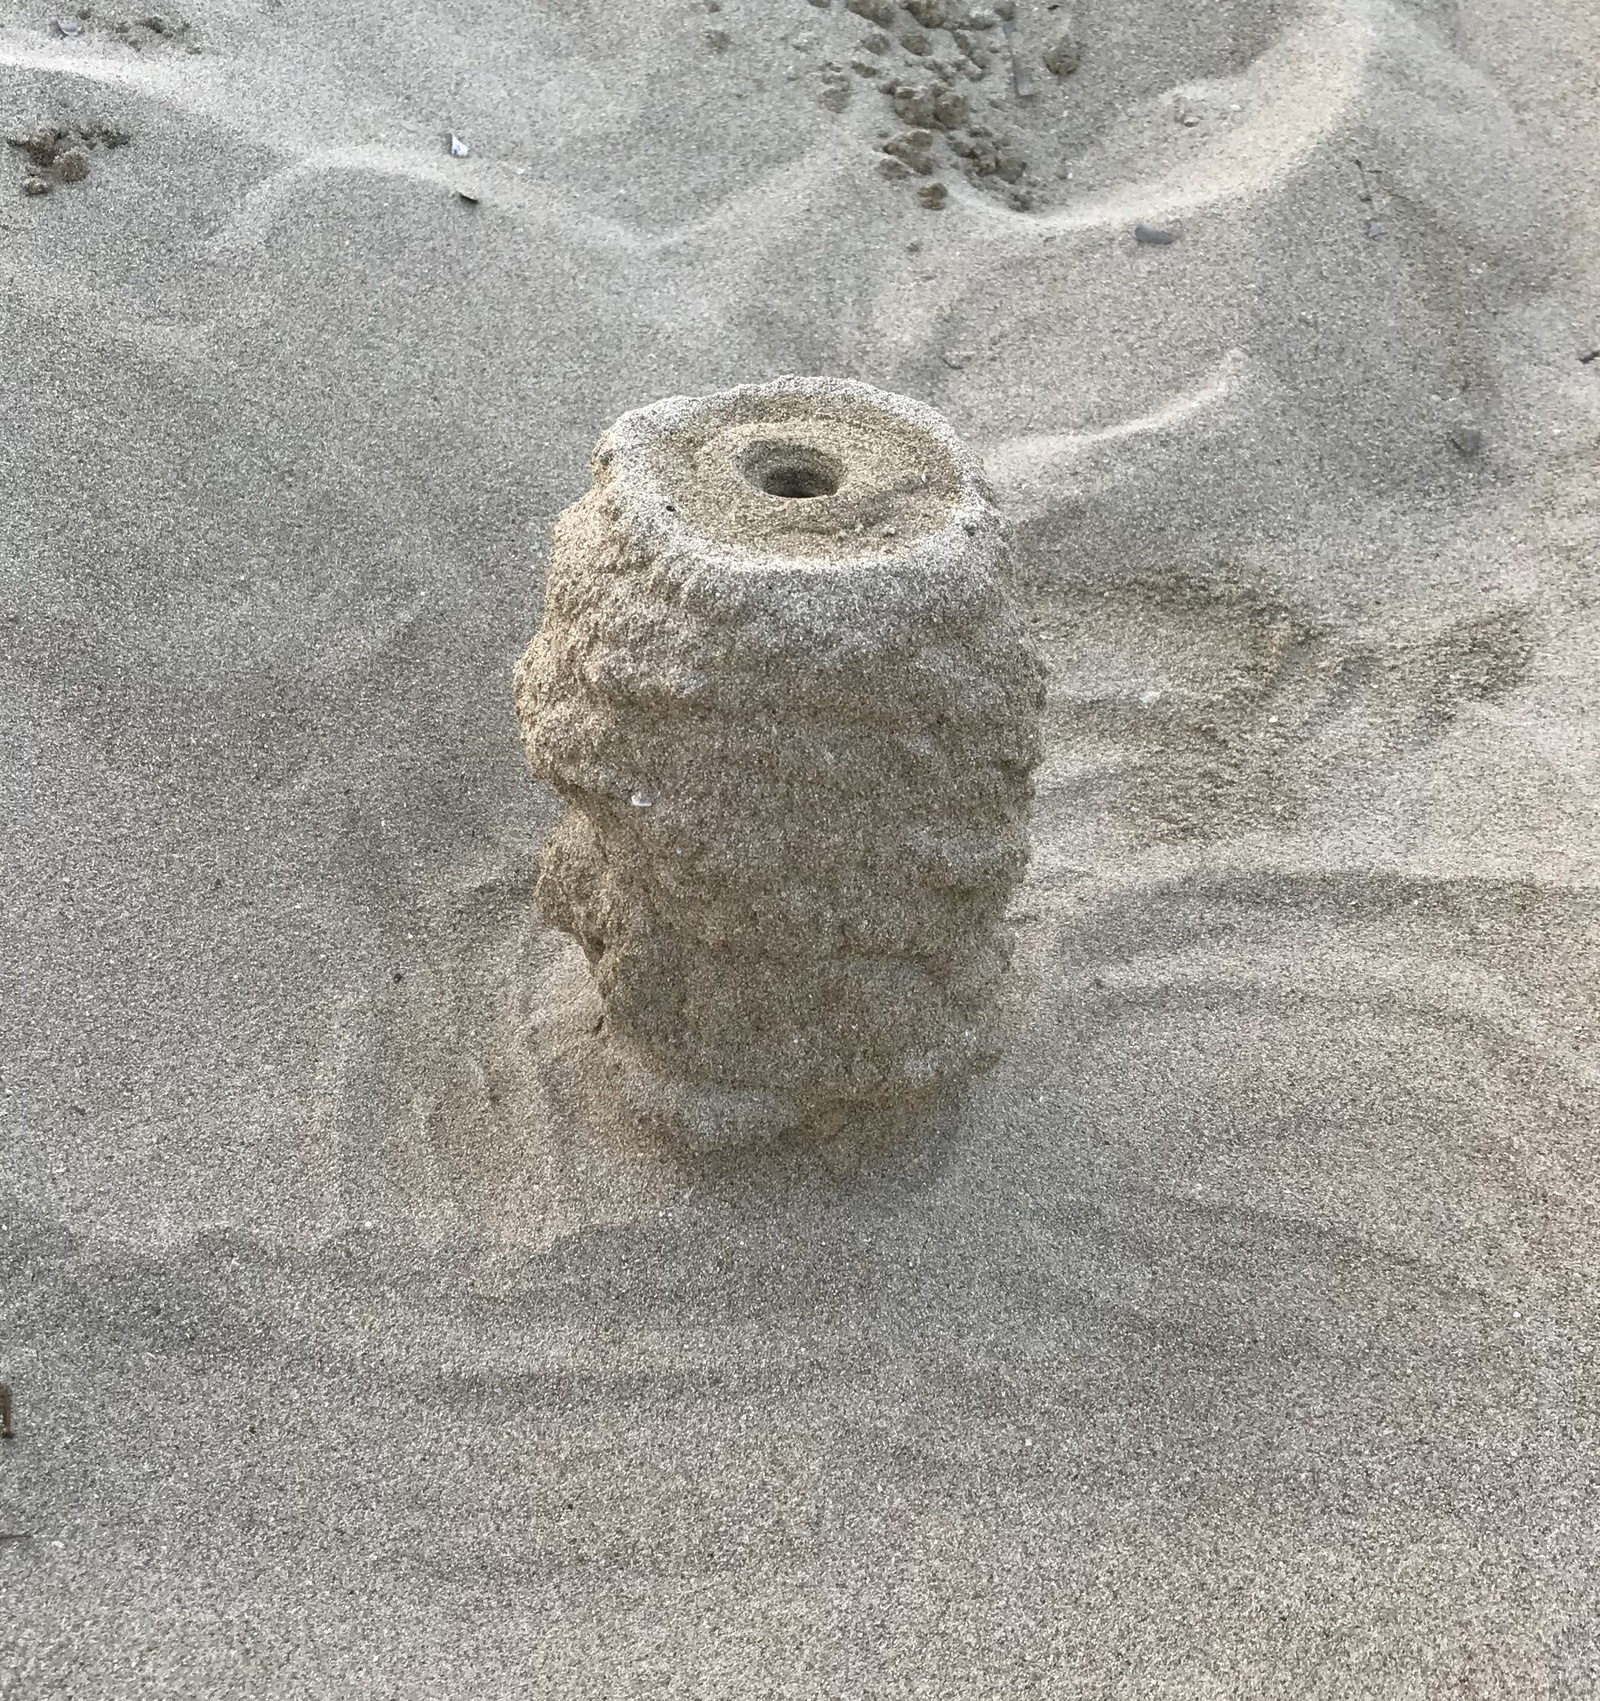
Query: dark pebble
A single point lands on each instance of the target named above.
(933, 195)
(1063, 55)
(1154, 235)
(1468, 439)
(40, 144)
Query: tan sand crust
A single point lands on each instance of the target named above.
(795, 718)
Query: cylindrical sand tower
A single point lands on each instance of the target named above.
(781, 687)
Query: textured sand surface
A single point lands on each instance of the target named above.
(785, 687)
(1238, 1337)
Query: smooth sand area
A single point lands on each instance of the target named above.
(1236, 1337)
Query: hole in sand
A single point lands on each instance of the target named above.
(794, 471)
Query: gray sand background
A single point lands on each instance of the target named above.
(1237, 1337)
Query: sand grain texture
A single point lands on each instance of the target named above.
(1237, 1336)
(782, 684)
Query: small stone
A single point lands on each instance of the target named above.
(1154, 236)
(931, 14)
(914, 106)
(985, 161)
(822, 5)
(719, 41)
(917, 42)
(1189, 119)
(73, 166)
(892, 168)
(458, 148)
(1062, 56)
(1376, 229)
(35, 186)
(154, 22)
(981, 18)
(911, 150)
(40, 144)
(69, 26)
(1010, 165)
(933, 195)
(879, 12)
(1467, 439)
(1006, 10)
(875, 41)
(949, 109)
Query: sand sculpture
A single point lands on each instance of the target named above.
(782, 689)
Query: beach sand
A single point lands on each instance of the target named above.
(1236, 1335)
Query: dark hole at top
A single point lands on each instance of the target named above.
(795, 479)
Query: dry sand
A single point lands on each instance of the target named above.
(1237, 1337)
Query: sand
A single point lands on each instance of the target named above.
(1236, 1335)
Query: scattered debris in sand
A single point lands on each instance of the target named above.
(58, 154)
(1154, 236)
